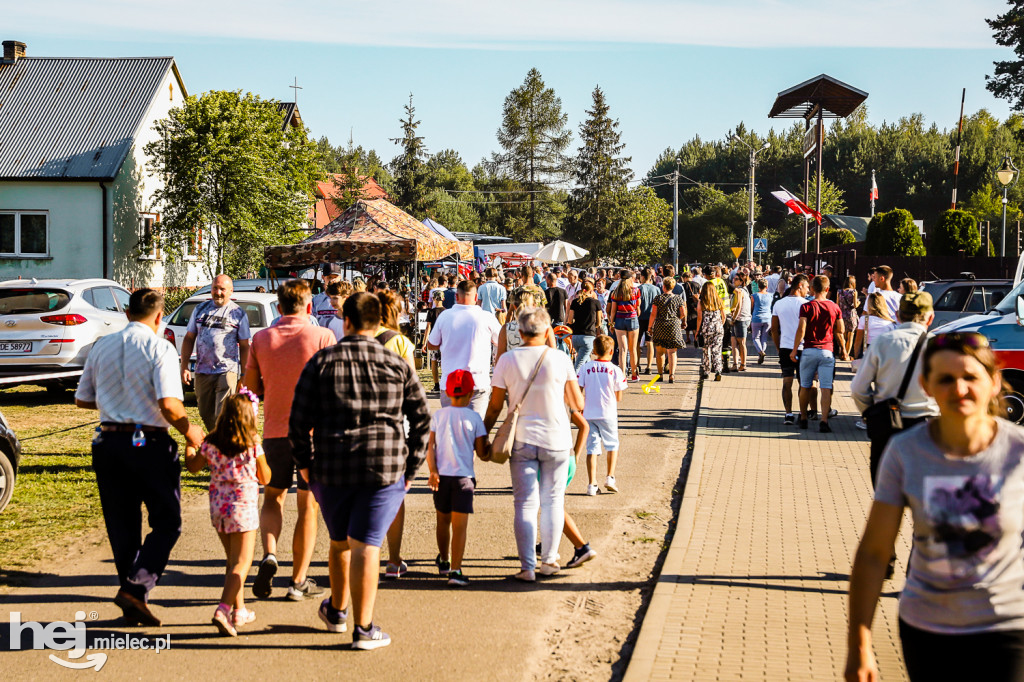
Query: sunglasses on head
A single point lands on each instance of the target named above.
(958, 340)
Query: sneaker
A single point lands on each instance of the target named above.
(812, 414)
(789, 419)
(609, 485)
(264, 577)
(370, 638)
(456, 579)
(242, 617)
(823, 427)
(581, 556)
(222, 619)
(803, 423)
(718, 377)
(392, 571)
(335, 620)
(525, 576)
(548, 569)
(307, 588)
(443, 567)
(861, 425)
(760, 358)
(592, 490)
(833, 413)
(436, 389)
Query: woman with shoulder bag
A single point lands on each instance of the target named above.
(540, 383)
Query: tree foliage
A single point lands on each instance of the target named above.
(894, 234)
(711, 223)
(1008, 81)
(601, 174)
(409, 167)
(836, 236)
(954, 232)
(232, 173)
(643, 221)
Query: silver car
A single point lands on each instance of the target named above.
(47, 326)
(958, 298)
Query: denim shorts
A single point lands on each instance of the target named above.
(820, 361)
(602, 432)
(739, 330)
(629, 324)
(363, 513)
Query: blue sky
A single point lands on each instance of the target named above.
(671, 69)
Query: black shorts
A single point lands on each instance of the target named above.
(282, 464)
(455, 494)
(645, 322)
(789, 368)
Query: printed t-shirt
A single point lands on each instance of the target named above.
(821, 319)
(323, 311)
(787, 309)
(218, 331)
(599, 381)
(455, 432)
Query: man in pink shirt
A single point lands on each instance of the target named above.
(276, 358)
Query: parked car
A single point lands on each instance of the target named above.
(10, 456)
(958, 298)
(261, 309)
(49, 325)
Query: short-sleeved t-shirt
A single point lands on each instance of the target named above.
(433, 314)
(543, 419)
(465, 335)
(599, 381)
(449, 297)
(455, 432)
(323, 311)
(492, 296)
(892, 299)
(821, 319)
(967, 565)
(584, 316)
(556, 304)
(648, 292)
(787, 309)
(218, 331)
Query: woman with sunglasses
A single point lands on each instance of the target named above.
(961, 612)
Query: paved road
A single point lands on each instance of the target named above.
(754, 586)
(575, 626)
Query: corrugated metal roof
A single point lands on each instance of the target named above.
(67, 118)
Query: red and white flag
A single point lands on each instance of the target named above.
(795, 205)
(874, 188)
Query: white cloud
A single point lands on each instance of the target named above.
(517, 24)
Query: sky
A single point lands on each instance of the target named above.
(670, 69)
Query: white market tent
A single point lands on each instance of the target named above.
(560, 252)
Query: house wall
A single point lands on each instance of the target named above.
(75, 228)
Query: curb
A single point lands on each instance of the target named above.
(641, 663)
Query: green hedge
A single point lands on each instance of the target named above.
(836, 236)
(894, 234)
(956, 231)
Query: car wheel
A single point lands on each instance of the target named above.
(1014, 400)
(6, 480)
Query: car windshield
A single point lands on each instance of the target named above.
(32, 300)
(1009, 303)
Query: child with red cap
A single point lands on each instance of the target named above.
(455, 433)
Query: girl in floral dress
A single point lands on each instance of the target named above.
(237, 468)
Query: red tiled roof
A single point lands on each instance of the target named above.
(326, 210)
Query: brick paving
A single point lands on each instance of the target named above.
(754, 584)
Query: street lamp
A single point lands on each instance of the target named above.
(753, 164)
(1007, 176)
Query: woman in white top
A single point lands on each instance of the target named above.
(875, 321)
(740, 318)
(543, 439)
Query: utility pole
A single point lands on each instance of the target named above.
(750, 215)
(675, 219)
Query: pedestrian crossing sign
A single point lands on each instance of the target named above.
(760, 246)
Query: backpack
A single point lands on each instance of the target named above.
(386, 336)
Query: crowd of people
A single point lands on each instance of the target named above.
(346, 420)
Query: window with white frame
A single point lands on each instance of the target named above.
(149, 240)
(24, 234)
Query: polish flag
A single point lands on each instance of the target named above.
(874, 189)
(795, 205)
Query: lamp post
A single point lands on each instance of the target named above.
(750, 217)
(1007, 176)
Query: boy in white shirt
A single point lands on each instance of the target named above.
(337, 298)
(602, 383)
(455, 433)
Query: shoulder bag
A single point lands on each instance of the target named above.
(504, 439)
(885, 418)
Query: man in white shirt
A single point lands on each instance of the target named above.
(573, 284)
(785, 320)
(696, 277)
(562, 281)
(773, 279)
(883, 285)
(464, 335)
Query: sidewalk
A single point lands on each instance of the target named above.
(754, 584)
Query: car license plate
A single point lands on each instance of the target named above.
(10, 347)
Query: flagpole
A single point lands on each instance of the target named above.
(873, 192)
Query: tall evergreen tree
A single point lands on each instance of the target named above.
(534, 138)
(1008, 31)
(409, 167)
(601, 174)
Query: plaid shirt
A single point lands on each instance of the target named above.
(353, 396)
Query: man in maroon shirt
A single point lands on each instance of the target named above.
(820, 319)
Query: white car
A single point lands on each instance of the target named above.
(48, 325)
(261, 309)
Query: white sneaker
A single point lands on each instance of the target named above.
(861, 425)
(609, 485)
(548, 569)
(592, 490)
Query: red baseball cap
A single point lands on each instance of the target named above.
(460, 382)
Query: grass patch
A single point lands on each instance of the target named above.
(645, 540)
(644, 514)
(55, 496)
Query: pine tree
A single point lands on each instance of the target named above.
(601, 174)
(1008, 31)
(534, 138)
(408, 167)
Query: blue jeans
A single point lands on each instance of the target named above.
(820, 361)
(759, 330)
(539, 478)
(584, 346)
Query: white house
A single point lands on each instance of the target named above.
(75, 190)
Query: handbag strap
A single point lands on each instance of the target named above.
(910, 368)
(533, 376)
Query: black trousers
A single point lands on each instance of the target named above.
(129, 477)
(878, 446)
(989, 656)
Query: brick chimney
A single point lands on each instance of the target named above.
(13, 51)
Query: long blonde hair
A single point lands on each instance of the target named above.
(709, 299)
(877, 307)
(586, 291)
